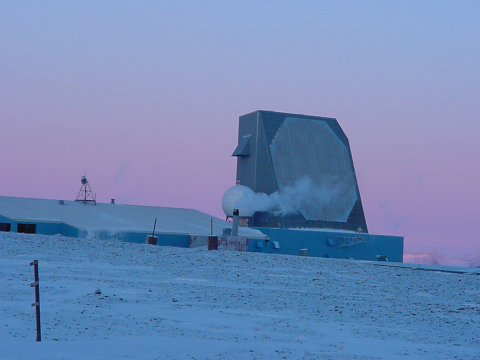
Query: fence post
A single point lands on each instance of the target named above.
(37, 296)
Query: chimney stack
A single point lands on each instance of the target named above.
(236, 215)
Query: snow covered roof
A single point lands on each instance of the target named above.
(116, 217)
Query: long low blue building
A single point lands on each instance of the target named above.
(186, 228)
(110, 221)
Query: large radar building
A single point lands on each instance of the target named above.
(278, 152)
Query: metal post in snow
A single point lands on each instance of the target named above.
(154, 226)
(152, 239)
(37, 297)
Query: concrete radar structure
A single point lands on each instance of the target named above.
(232, 199)
(309, 155)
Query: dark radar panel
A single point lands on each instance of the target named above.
(305, 164)
(308, 149)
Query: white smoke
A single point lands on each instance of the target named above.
(304, 194)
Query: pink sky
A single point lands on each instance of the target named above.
(146, 96)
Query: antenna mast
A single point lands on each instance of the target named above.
(85, 193)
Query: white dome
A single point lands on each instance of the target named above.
(232, 196)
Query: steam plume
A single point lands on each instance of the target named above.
(304, 194)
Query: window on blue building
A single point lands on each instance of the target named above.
(5, 226)
(27, 228)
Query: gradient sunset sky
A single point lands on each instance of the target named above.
(145, 97)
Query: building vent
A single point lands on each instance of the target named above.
(303, 252)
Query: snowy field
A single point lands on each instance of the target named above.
(175, 303)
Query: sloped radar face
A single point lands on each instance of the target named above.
(309, 149)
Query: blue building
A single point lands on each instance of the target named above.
(132, 223)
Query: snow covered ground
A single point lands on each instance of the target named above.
(176, 303)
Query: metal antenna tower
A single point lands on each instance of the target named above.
(85, 193)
